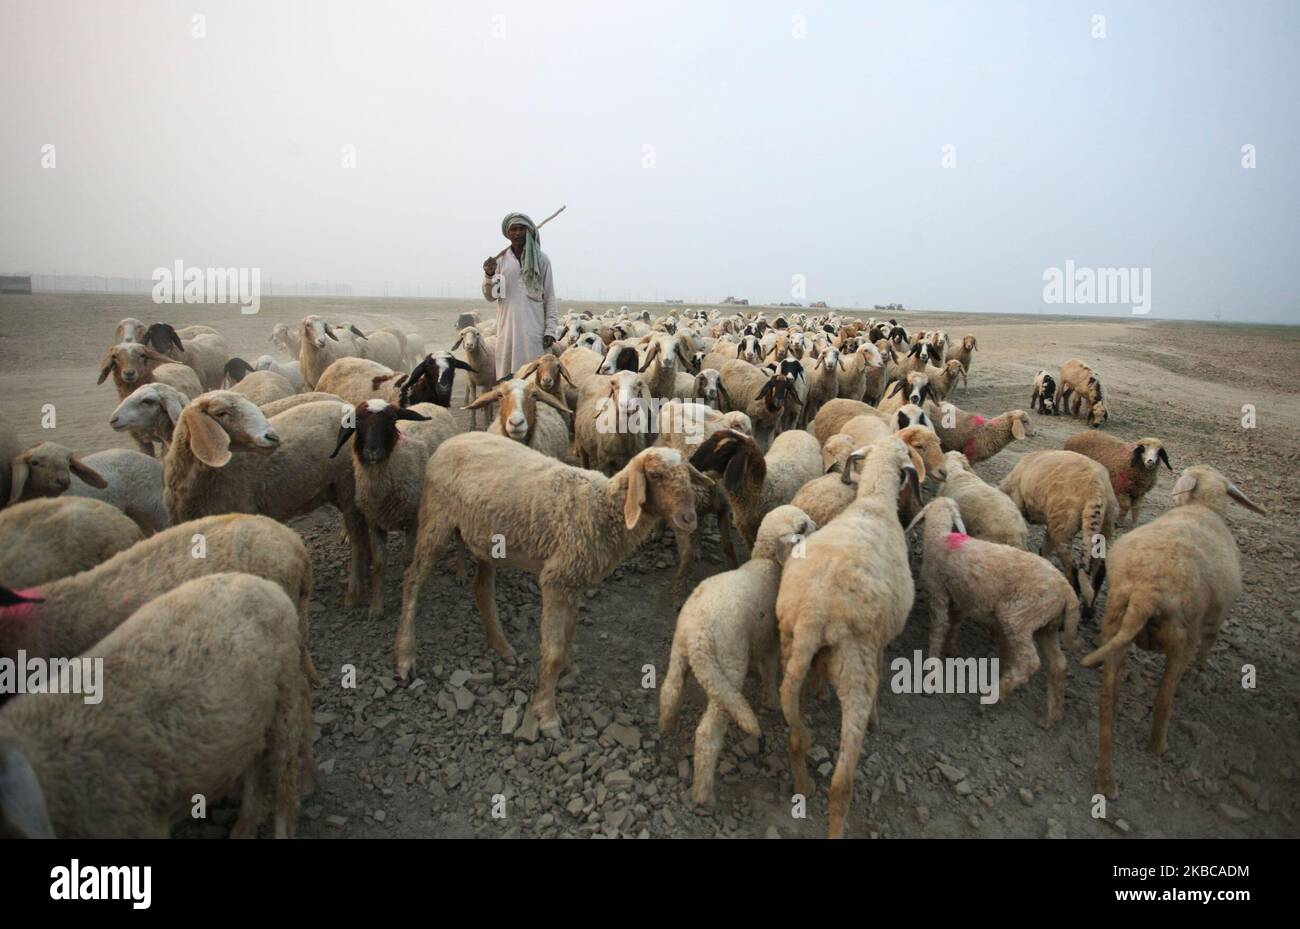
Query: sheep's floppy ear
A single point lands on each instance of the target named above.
(1235, 493)
(565, 374)
(457, 363)
(492, 396)
(914, 350)
(526, 371)
(695, 387)
(739, 349)
(457, 345)
(551, 401)
(174, 408)
(909, 476)
(699, 478)
(153, 355)
(918, 463)
(22, 804)
(918, 518)
(722, 392)
(330, 332)
(86, 473)
(1017, 428)
(635, 493)
(413, 416)
(846, 476)
(680, 354)
(650, 356)
(767, 388)
(208, 441)
(1185, 484)
(18, 474)
(1138, 451)
(106, 366)
(173, 337)
(345, 433)
(357, 332)
(1162, 455)
(894, 388)
(903, 420)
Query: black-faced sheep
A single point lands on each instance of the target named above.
(1132, 466)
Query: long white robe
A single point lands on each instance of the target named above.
(522, 317)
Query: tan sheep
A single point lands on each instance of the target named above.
(1022, 595)
(1172, 583)
(321, 344)
(1070, 495)
(1133, 466)
(612, 423)
(133, 365)
(179, 724)
(841, 604)
(128, 480)
(977, 437)
(727, 625)
(357, 380)
(758, 394)
(831, 417)
(54, 537)
(987, 512)
(264, 387)
(201, 348)
(480, 356)
(543, 427)
(943, 380)
(9, 448)
(963, 353)
(1081, 381)
(516, 508)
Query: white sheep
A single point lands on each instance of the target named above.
(516, 508)
(128, 480)
(227, 457)
(480, 356)
(291, 371)
(1027, 601)
(987, 512)
(321, 344)
(1172, 583)
(49, 538)
(179, 724)
(133, 365)
(150, 412)
(727, 625)
(841, 604)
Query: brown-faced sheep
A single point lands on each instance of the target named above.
(133, 365)
(128, 480)
(1081, 381)
(1132, 466)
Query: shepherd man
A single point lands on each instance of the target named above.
(522, 287)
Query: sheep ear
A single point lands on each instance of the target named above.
(918, 518)
(18, 474)
(22, 804)
(86, 473)
(551, 401)
(413, 416)
(635, 493)
(1235, 493)
(895, 388)
(847, 476)
(457, 345)
(106, 366)
(208, 441)
(487, 399)
(722, 392)
(565, 374)
(699, 478)
(1185, 484)
(174, 409)
(1017, 428)
(345, 433)
(917, 463)
(357, 332)
(153, 355)
(457, 363)
(526, 371)
(1136, 458)
(903, 420)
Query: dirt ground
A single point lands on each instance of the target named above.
(427, 759)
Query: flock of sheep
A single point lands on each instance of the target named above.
(822, 440)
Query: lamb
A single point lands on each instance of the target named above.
(727, 625)
(755, 483)
(824, 385)
(480, 355)
(77, 611)
(987, 512)
(133, 364)
(1079, 379)
(320, 345)
(943, 380)
(660, 364)
(357, 380)
(612, 421)
(760, 396)
(975, 436)
(49, 538)
(569, 526)
(841, 604)
(291, 371)
(176, 727)
(549, 373)
(1173, 582)
(1044, 395)
(1027, 600)
(1069, 494)
(1132, 466)
(915, 389)
(128, 480)
(389, 454)
(204, 350)
(963, 353)
(432, 380)
(227, 457)
(286, 340)
(544, 428)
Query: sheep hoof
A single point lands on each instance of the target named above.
(1158, 746)
(552, 729)
(404, 668)
(1106, 785)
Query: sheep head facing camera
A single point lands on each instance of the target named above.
(376, 430)
(131, 363)
(432, 379)
(46, 470)
(518, 412)
(220, 421)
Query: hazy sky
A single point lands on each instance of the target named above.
(773, 155)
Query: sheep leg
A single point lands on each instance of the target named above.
(250, 805)
(1133, 511)
(953, 639)
(685, 555)
(798, 655)
(557, 605)
(873, 721)
(1049, 644)
(433, 540)
(1106, 726)
(938, 623)
(485, 595)
(708, 745)
(1023, 660)
(285, 755)
(1178, 658)
(728, 543)
(1209, 634)
(359, 541)
(855, 677)
(769, 673)
(378, 545)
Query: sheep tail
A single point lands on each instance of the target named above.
(1093, 526)
(670, 695)
(720, 688)
(1136, 614)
